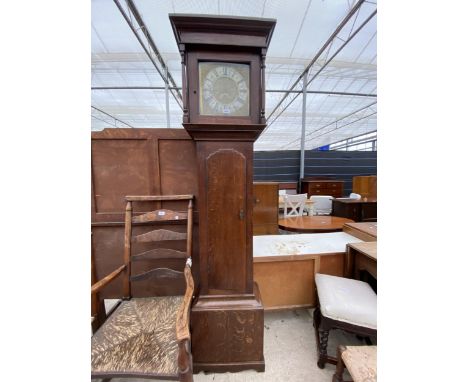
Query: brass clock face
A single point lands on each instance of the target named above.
(224, 89)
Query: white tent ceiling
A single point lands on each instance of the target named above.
(303, 27)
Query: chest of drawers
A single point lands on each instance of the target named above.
(322, 187)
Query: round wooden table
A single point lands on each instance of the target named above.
(313, 224)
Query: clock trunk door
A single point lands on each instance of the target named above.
(227, 229)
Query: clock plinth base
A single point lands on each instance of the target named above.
(227, 333)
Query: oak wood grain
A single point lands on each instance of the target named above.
(160, 253)
(159, 215)
(159, 235)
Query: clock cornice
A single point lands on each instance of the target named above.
(222, 30)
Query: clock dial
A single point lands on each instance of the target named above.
(224, 89)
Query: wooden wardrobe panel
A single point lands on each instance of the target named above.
(138, 162)
(178, 169)
(120, 167)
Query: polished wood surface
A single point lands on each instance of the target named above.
(313, 223)
(359, 210)
(366, 186)
(265, 211)
(363, 231)
(322, 187)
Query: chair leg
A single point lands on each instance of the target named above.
(323, 348)
(338, 376)
(321, 337)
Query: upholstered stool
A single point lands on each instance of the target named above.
(346, 304)
(361, 362)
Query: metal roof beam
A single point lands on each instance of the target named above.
(320, 70)
(319, 53)
(335, 122)
(268, 90)
(141, 26)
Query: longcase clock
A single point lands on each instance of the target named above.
(223, 75)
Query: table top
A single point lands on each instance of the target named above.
(369, 228)
(297, 246)
(367, 248)
(356, 201)
(315, 223)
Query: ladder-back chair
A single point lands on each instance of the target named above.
(148, 337)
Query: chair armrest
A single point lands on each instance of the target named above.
(96, 287)
(184, 360)
(183, 315)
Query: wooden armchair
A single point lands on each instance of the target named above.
(148, 337)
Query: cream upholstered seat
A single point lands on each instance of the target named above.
(347, 300)
(322, 204)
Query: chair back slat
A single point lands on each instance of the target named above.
(159, 235)
(160, 253)
(159, 215)
(157, 198)
(158, 273)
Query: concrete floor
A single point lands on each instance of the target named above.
(290, 352)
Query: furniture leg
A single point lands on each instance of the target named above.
(338, 376)
(323, 348)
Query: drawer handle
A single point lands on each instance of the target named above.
(241, 214)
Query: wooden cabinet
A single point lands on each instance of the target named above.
(322, 187)
(289, 187)
(359, 210)
(265, 210)
(366, 186)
